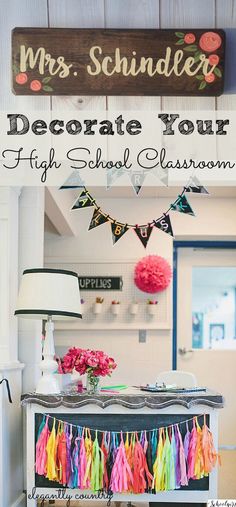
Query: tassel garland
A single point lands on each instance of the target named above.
(135, 462)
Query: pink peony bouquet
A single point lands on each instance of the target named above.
(93, 362)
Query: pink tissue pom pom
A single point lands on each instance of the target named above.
(152, 274)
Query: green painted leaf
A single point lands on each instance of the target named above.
(47, 88)
(180, 42)
(46, 79)
(197, 56)
(15, 68)
(200, 77)
(217, 72)
(202, 85)
(179, 34)
(190, 48)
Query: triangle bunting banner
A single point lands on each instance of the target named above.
(182, 205)
(83, 201)
(118, 230)
(137, 180)
(196, 187)
(164, 224)
(97, 219)
(144, 232)
(113, 174)
(161, 174)
(74, 181)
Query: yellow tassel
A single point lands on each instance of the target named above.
(88, 449)
(158, 484)
(51, 455)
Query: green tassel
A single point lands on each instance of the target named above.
(97, 466)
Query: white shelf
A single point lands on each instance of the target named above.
(80, 326)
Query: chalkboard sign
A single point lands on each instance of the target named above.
(60, 61)
(100, 283)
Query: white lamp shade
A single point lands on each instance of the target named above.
(49, 292)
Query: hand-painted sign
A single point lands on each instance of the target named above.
(100, 283)
(57, 61)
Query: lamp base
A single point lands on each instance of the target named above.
(48, 384)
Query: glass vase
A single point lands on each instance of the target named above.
(92, 384)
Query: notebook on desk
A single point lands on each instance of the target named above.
(175, 390)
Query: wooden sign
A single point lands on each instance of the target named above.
(100, 283)
(56, 61)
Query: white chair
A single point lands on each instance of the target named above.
(180, 378)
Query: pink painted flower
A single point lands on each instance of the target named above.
(210, 41)
(209, 78)
(214, 59)
(35, 85)
(21, 78)
(189, 38)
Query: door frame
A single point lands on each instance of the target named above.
(230, 245)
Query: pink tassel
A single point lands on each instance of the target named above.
(182, 462)
(186, 441)
(61, 455)
(121, 474)
(83, 463)
(41, 453)
(105, 449)
(192, 451)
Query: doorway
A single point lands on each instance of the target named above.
(204, 336)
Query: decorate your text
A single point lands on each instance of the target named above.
(19, 124)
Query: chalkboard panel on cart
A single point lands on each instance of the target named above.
(116, 422)
(56, 61)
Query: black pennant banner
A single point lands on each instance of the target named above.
(182, 205)
(164, 224)
(84, 201)
(118, 230)
(196, 187)
(97, 219)
(74, 181)
(144, 233)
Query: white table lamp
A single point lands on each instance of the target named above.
(49, 294)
